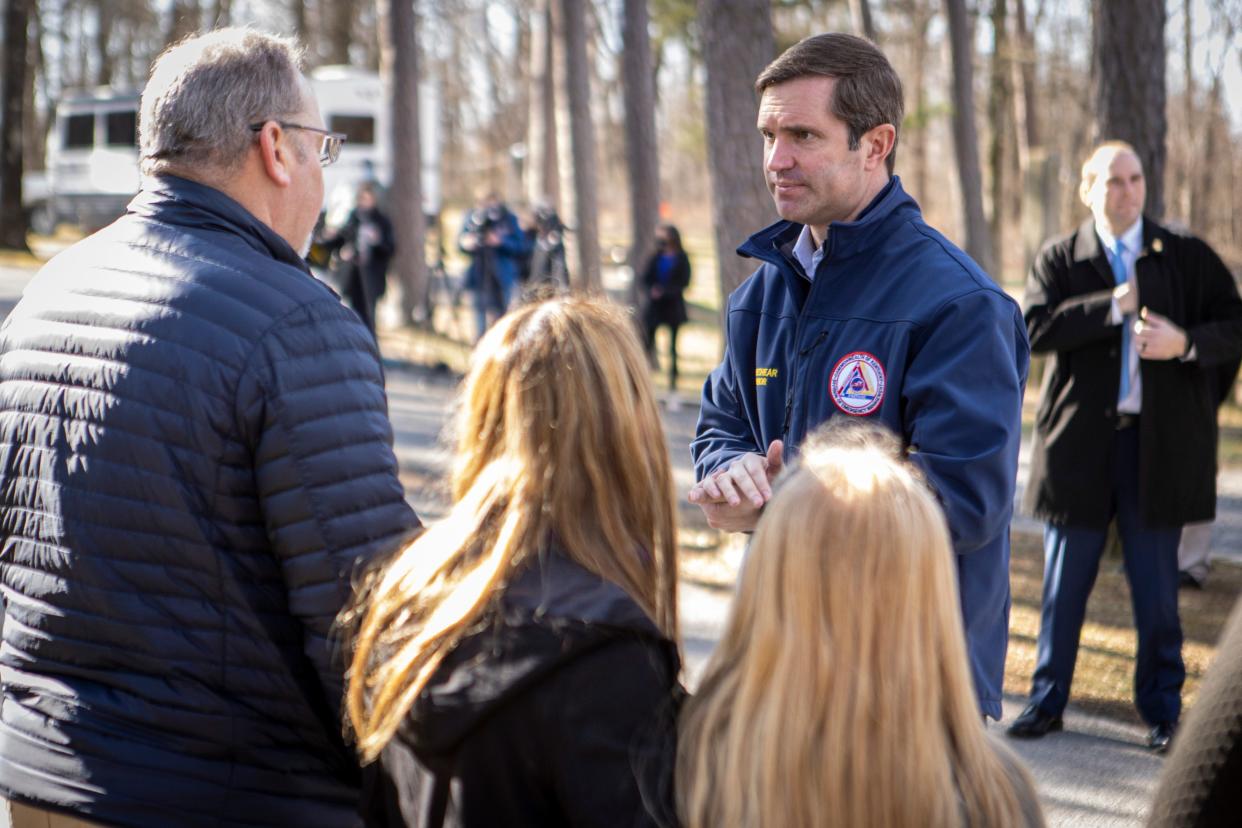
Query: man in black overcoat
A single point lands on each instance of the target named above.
(1135, 320)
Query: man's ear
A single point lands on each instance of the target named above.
(276, 152)
(877, 144)
(1084, 192)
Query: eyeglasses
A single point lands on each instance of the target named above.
(329, 146)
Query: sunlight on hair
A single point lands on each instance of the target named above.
(845, 640)
(558, 443)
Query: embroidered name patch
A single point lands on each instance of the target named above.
(857, 383)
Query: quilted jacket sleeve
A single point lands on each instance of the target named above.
(312, 407)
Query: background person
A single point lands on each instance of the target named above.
(1136, 320)
(517, 664)
(665, 279)
(196, 456)
(490, 235)
(364, 245)
(860, 309)
(840, 691)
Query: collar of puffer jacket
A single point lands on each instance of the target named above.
(180, 201)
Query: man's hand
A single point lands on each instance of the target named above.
(1126, 295)
(1157, 337)
(732, 498)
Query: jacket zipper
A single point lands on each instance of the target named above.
(793, 373)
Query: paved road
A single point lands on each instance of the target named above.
(1095, 774)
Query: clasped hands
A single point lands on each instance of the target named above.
(1156, 337)
(733, 497)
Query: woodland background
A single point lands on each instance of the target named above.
(623, 112)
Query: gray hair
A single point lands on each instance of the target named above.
(206, 91)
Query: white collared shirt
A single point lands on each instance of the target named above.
(1132, 238)
(808, 254)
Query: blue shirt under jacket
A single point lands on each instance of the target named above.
(901, 326)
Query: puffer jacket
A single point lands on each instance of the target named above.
(195, 458)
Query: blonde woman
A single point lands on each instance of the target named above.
(516, 664)
(840, 693)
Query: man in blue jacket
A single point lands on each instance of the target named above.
(860, 309)
(492, 238)
(195, 460)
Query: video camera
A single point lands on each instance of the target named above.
(485, 220)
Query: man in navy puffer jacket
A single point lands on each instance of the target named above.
(195, 459)
(860, 309)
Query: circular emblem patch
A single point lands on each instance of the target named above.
(857, 384)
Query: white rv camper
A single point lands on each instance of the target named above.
(352, 102)
(92, 153)
(92, 160)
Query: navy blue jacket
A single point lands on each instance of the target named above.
(505, 258)
(899, 325)
(195, 454)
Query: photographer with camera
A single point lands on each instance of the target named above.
(496, 245)
(548, 260)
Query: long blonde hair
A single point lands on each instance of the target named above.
(839, 693)
(558, 437)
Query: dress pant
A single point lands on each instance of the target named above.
(1071, 561)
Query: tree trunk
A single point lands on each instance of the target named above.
(582, 142)
(641, 149)
(103, 37)
(544, 175)
(183, 20)
(1129, 68)
(1000, 101)
(301, 25)
(965, 137)
(1189, 125)
(337, 18)
(860, 15)
(221, 14)
(1027, 126)
(399, 69)
(919, 119)
(738, 43)
(12, 85)
(1210, 125)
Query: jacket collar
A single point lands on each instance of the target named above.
(180, 201)
(1087, 247)
(845, 238)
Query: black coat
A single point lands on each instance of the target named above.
(560, 710)
(1068, 300)
(194, 454)
(670, 307)
(369, 257)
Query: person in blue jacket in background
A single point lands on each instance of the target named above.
(860, 309)
(493, 239)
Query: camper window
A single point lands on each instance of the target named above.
(122, 128)
(79, 131)
(359, 130)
